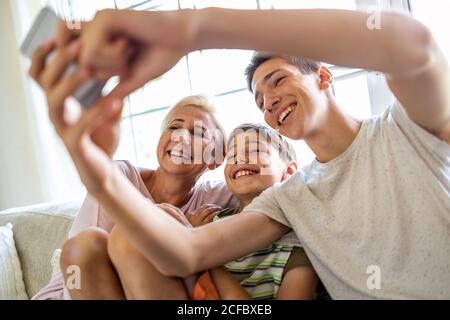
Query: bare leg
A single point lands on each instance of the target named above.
(88, 251)
(140, 279)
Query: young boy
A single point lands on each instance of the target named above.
(257, 158)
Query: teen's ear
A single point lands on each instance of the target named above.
(326, 78)
(290, 170)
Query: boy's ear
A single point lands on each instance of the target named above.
(326, 78)
(290, 170)
(214, 165)
(217, 162)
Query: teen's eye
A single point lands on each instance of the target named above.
(279, 80)
(261, 106)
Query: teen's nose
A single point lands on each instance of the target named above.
(271, 103)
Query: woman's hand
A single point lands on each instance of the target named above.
(157, 41)
(203, 215)
(175, 213)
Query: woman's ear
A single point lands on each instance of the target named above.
(326, 78)
(290, 170)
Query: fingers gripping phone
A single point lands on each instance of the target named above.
(45, 27)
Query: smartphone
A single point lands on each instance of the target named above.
(44, 28)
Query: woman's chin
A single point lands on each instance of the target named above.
(181, 169)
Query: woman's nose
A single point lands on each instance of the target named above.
(183, 136)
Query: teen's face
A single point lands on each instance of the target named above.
(291, 101)
(252, 166)
(181, 145)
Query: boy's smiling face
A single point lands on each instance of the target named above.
(253, 165)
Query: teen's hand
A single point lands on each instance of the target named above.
(90, 136)
(157, 41)
(203, 215)
(57, 87)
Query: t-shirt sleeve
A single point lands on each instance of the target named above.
(268, 204)
(418, 137)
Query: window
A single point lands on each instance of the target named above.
(434, 14)
(220, 73)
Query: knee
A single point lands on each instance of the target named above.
(119, 246)
(86, 249)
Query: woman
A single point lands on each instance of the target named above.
(190, 124)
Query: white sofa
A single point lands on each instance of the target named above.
(38, 231)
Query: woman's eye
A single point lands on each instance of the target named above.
(199, 134)
(173, 128)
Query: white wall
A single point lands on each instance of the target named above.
(19, 174)
(34, 166)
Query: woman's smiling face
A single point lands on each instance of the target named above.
(183, 141)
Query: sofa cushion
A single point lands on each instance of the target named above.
(11, 278)
(38, 231)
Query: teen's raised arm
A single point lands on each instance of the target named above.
(402, 47)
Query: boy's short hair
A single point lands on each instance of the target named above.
(304, 65)
(277, 141)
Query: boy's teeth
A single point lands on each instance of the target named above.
(284, 114)
(244, 173)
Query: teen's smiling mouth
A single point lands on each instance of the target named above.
(285, 113)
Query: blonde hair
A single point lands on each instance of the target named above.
(202, 102)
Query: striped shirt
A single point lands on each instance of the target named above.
(260, 273)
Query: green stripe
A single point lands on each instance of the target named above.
(263, 295)
(260, 280)
(265, 263)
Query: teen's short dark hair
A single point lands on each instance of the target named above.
(285, 149)
(304, 65)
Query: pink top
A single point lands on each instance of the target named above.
(92, 214)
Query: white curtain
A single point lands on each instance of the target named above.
(34, 166)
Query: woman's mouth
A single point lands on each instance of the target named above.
(179, 156)
(285, 114)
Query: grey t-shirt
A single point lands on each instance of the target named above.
(375, 222)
